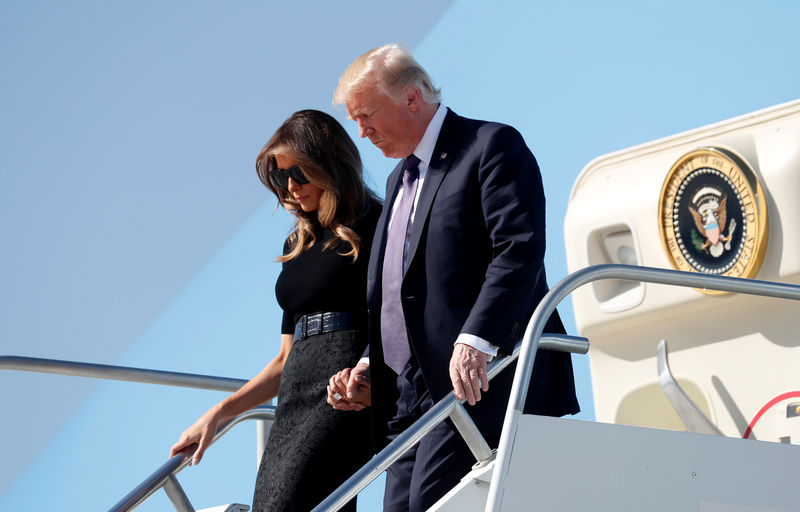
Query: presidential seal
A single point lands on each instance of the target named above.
(712, 214)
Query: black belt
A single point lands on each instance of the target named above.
(320, 323)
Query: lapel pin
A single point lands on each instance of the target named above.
(444, 155)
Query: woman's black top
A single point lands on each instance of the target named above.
(312, 448)
(323, 280)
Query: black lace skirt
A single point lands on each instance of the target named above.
(312, 448)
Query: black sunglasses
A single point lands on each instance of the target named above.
(280, 177)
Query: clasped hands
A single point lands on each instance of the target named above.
(349, 390)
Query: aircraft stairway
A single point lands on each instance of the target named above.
(561, 464)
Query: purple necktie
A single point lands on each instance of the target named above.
(396, 350)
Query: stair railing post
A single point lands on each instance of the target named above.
(177, 495)
(469, 431)
(262, 434)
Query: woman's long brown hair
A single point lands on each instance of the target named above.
(330, 160)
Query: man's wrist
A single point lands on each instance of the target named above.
(478, 343)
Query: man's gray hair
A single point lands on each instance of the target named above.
(393, 69)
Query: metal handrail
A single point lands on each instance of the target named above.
(559, 292)
(123, 373)
(438, 413)
(163, 476)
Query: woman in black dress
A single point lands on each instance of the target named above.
(314, 169)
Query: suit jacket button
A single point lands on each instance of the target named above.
(514, 330)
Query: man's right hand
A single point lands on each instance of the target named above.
(350, 389)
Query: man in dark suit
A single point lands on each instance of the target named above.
(456, 270)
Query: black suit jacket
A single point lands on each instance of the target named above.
(475, 264)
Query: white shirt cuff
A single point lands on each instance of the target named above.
(478, 344)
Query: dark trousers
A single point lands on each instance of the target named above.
(431, 468)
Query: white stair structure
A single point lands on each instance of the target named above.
(571, 465)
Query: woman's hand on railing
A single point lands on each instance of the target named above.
(350, 389)
(200, 434)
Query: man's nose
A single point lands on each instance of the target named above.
(363, 130)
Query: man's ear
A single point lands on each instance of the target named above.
(414, 97)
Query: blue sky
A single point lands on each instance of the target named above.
(135, 231)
